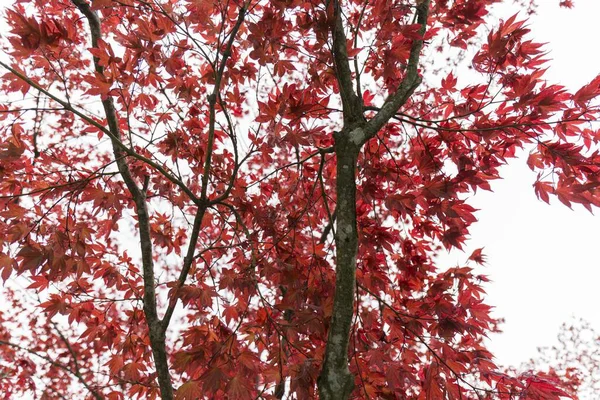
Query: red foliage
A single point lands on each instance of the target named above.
(204, 130)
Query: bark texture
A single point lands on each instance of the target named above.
(335, 381)
(157, 327)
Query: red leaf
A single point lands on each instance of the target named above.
(6, 265)
(213, 380)
(566, 3)
(237, 388)
(477, 256)
(56, 305)
(190, 390)
(542, 189)
(32, 257)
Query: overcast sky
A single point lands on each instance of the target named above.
(544, 260)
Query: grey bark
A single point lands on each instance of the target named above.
(335, 381)
(156, 333)
(157, 327)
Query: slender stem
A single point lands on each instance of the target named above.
(156, 332)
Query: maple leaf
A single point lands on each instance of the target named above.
(542, 189)
(27, 28)
(237, 389)
(449, 82)
(249, 360)
(190, 390)
(538, 387)
(32, 257)
(56, 305)
(39, 282)
(12, 149)
(230, 313)
(133, 371)
(6, 265)
(587, 92)
(453, 237)
(477, 256)
(213, 380)
(115, 364)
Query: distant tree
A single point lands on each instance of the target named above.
(574, 360)
(243, 199)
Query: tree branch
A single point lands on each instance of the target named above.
(116, 140)
(156, 333)
(356, 69)
(352, 104)
(76, 373)
(212, 100)
(187, 264)
(408, 85)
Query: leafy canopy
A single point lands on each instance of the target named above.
(168, 193)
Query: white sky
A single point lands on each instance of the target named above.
(544, 260)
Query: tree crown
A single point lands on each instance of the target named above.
(180, 178)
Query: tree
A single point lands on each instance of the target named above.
(243, 199)
(575, 360)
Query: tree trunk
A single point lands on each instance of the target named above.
(335, 381)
